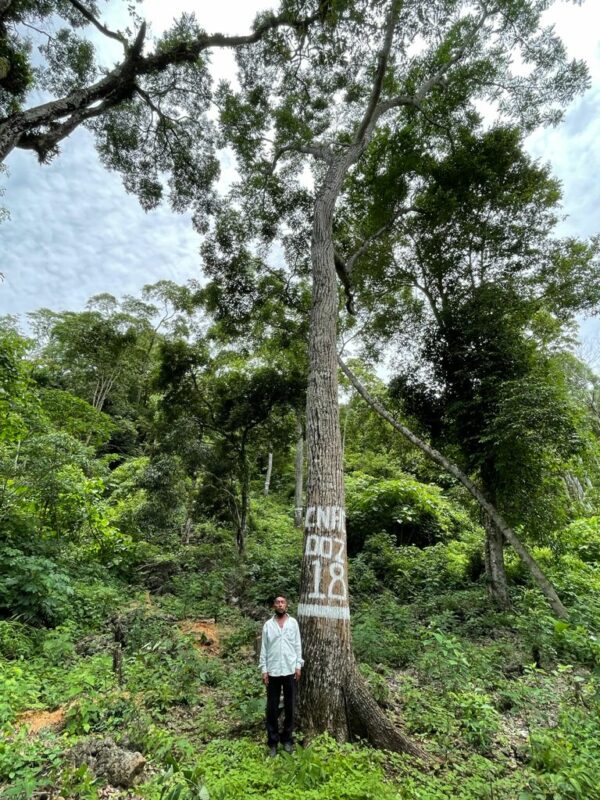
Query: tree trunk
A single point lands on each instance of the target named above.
(268, 475)
(333, 696)
(324, 611)
(186, 530)
(299, 474)
(495, 571)
(501, 525)
(242, 521)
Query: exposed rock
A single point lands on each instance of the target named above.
(120, 767)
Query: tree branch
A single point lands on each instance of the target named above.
(382, 62)
(119, 83)
(435, 80)
(344, 268)
(46, 142)
(151, 104)
(430, 299)
(319, 151)
(190, 51)
(373, 238)
(85, 12)
(38, 30)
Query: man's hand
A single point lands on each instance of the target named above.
(298, 673)
(265, 678)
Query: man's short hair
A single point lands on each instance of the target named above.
(277, 596)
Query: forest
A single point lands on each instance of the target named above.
(372, 400)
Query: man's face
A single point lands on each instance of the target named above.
(280, 605)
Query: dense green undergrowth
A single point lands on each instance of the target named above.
(116, 543)
(506, 704)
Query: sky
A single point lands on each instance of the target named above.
(74, 232)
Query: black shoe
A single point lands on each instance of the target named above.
(288, 747)
(273, 751)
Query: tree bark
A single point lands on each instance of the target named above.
(299, 474)
(544, 585)
(495, 571)
(268, 475)
(324, 609)
(333, 696)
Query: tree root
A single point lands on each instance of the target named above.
(367, 720)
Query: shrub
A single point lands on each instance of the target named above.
(412, 513)
(410, 571)
(170, 672)
(477, 717)
(384, 633)
(16, 639)
(582, 538)
(327, 770)
(94, 601)
(24, 763)
(33, 587)
(567, 758)
(273, 555)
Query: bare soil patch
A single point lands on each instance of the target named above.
(35, 721)
(204, 632)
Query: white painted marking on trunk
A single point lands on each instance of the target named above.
(312, 545)
(327, 518)
(316, 594)
(323, 515)
(339, 555)
(323, 612)
(336, 571)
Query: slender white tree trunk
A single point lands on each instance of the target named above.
(268, 475)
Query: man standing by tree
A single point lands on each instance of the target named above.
(280, 663)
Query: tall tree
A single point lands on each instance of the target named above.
(325, 99)
(489, 291)
(100, 354)
(488, 509)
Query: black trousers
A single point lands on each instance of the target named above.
(274, 687)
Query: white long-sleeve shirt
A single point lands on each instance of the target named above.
(281, 648)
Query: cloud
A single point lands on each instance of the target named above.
(574, 157)
(74, 232)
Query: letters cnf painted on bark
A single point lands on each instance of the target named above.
(325, 553)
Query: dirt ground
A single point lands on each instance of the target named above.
(205, 634)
